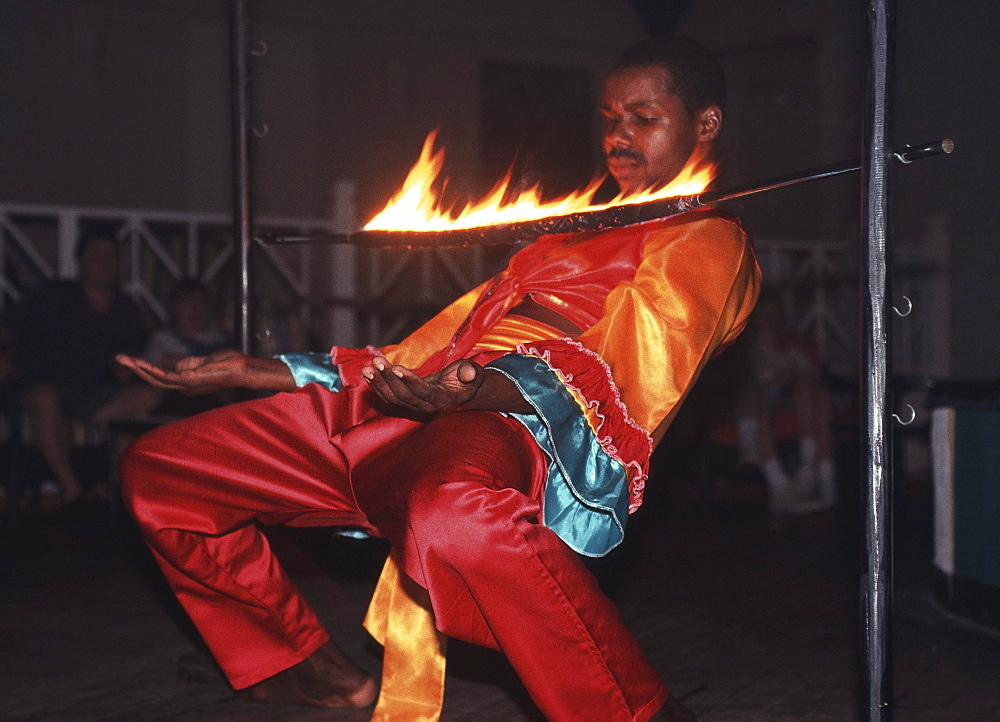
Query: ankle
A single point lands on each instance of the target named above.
(326, 678)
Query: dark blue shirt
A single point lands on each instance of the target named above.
(62, 339)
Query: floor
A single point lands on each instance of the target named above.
(747, 617)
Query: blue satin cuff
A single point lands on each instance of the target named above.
(586, 496)
(312, 367)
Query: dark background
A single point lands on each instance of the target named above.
(109, 103)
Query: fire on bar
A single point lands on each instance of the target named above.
(614, 216)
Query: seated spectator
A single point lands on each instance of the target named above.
(66, 334)
(785, 381)
(193, 330)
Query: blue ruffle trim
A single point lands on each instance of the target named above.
(312, 367)
(586, 497)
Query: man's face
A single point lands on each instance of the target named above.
(648, 133)
(98, 263)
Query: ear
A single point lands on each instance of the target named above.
(709, 121)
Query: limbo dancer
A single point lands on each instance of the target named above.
(505, 437)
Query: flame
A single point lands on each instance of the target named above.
(417, 206)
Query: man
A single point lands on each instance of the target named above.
(784, 387)
(521, 437)
(192, 330)
(66, 336)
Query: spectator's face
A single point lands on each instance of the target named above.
(191, 312)
(98, 263)
(648, 133)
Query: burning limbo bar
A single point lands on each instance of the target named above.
(596, 220)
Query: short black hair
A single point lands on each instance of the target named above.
(698, 79)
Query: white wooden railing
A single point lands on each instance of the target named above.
(160, 247)
(353, 296)
(818, 284)
(342, 294)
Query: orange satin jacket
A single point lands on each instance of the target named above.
(655, 300)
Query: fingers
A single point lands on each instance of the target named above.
(156, 376)
(467, 372)
(126, 361)
(151, 373)
(400, 386)
(133, 363)
(388, 382)
(189, 363)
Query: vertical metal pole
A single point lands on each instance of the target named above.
(344, 318)
(876, 391)
(69, 233)
(242, 221)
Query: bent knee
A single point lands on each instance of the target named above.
(131, 464)
(443, 528)
(478, 446)
(458, 521)
(138, 470)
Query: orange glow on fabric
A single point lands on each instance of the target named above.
(413, 669)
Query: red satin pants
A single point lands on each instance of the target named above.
(458, 496)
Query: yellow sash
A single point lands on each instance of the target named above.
(401, 620)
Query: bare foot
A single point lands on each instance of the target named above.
(326, 678)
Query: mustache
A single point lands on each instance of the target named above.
(626, 154)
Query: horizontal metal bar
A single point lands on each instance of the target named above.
(614, 217)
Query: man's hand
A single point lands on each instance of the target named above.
(456, 385)
(220, 370)
(461, 385)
